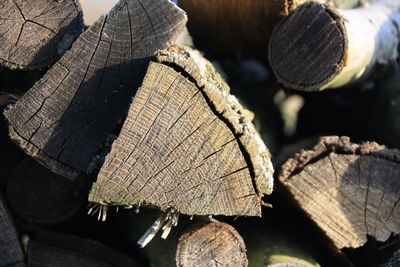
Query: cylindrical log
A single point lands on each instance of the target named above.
(318, 47)
(211, 244)
(40, 197)
(56, 249)
(186, 144)
(35, 33)
(10, 248)
(198, 241)
(349, 190)
(240, 28)
(65, 118)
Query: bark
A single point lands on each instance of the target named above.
(63, 120)
(349, 190)
(34, 34)
(186, 145)
(239, 29)
(318, 47)
(40, 197)
(55, 249)
(10, 247)
(211, 244)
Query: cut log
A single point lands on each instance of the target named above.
(349, 190)
(34, 34)
(186, 146)
(239, 29)
(63, 120)
(40, 197)
(55, 249)
(211, 244)
(318, 47)
(10, 248)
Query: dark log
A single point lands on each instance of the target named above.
(40, 197)
(383, 109)
(349, 190)
(63, 120)
(318, 46)
(56, 249)
(393, 262)
(238, 29)
(10, 248)
(36, 33)
(211, 244)
(186, 145)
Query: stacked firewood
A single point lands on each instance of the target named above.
(235, 154)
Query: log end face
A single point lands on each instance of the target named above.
(211, 244)
(308, 48)
(41, 157)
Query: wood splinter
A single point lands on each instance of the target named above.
(318, 47)
(186, 146)
(165, 222)
(349, 190)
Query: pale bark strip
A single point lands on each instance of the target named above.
(318, 47)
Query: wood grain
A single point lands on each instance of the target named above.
(349, 190)
(186, 144)
(63, 120)
(10, 247)
(34, 34)
(211, 244)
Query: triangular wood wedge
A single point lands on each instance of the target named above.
(64, 119)
(186, 144)
(349, 190)
(35, 33)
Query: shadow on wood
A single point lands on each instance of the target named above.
(34, 34)
(63, 120)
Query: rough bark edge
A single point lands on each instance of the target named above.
(338, 145)
(13, 66)
(41, 157)
(338, 21)
(228, 109)
(193, 228)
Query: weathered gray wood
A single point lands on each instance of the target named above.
(35, 33)
(186, 144)
(211, 244)
(10, 249)
(349, 190)
(318, 47)
(40, 197)
(63, 120)
(55, 249)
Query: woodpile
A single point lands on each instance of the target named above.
(208, 157)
